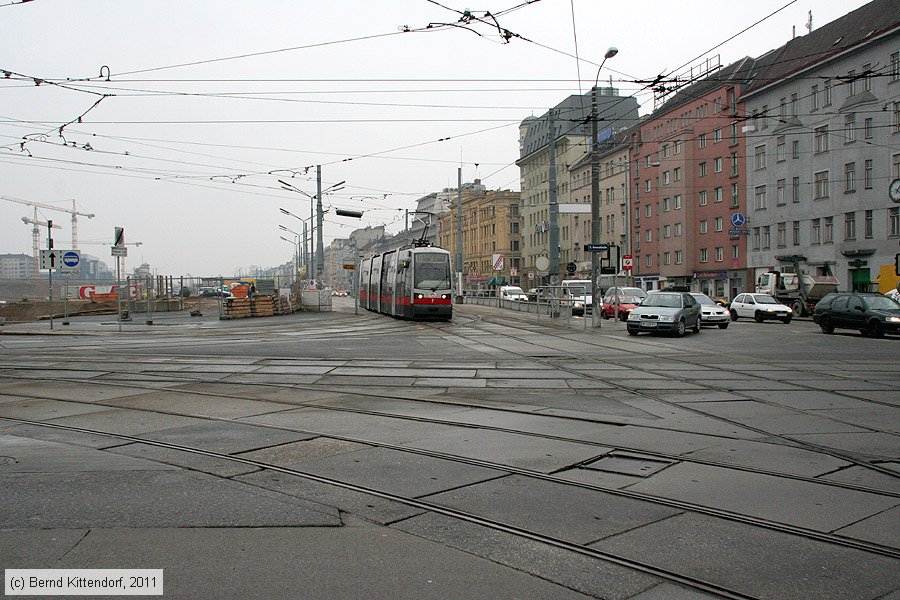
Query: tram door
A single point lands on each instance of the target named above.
(388, 276)
(375, 284)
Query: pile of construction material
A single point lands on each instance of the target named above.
(237, 308)
(262, 306)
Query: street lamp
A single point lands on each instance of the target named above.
(295, 246)
(595, 196)
(305, 260)
(320, 251)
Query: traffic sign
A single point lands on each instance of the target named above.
(120, 250)
(596, 247)
(626, 262)
(70, 263)
(119, 237)
(497, 262)
(49, 259)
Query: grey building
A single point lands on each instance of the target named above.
(822, 147)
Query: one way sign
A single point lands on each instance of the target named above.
(49, 259)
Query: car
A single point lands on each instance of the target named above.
(871, 313)
(711, 312)
(619, 302)
(513, 292)
(759, 306)
(665, 311)
(577, 293)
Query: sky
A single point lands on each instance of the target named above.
(175, 119)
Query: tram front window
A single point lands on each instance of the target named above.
(432, 271)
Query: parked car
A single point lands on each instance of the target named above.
(624, 302)
(871, 313)
(578, 294)
(513, 292)
(711, 312)
(665, 311)
(760, 307)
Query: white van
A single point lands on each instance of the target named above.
(577, 293)
(513, 292)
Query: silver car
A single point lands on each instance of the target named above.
(665, 311)
(712, 313)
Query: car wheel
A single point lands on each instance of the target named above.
(604, 315)
(632, 331)
(876, 329)
(623, 316)
(758, 317)
(826, 325)
(797, 308)
(696, 327)
(786, 319)
(679, 328)
(734, 315)
(723, 325)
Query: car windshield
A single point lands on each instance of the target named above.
(881, 303)
(630, 291)
(514, 290)
(663, 300)
(432, 270)
(763, 299)
(624, 299)
(703, 299)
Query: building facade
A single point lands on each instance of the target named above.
(688, 185)
(17, 266)
(824, 112)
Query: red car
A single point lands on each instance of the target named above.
(626, 298)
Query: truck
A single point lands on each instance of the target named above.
(797, 289)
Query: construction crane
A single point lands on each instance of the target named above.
(36, 235)
(73, 211)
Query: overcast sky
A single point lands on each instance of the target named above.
(209, 102)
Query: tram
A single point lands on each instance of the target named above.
(412, 282)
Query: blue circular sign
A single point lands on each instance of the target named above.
(738, 220)
(71, 259)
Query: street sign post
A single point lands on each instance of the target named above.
(70, 263)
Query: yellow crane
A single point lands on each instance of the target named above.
(73, 211)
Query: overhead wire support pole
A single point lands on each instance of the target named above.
(554, 205)
(459, 243)
(320, 251)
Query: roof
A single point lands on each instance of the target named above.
(734, 73)
(853, 29)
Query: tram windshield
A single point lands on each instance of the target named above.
(432, 271)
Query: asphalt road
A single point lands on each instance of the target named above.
(342, 455)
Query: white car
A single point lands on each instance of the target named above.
(711, 313)
(513, 292)
(760, 307)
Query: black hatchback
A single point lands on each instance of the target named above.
(872, 314)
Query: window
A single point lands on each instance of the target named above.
(665, 151)
(665, 205)
(717, 165)
(718, 192)
(735, 200)
(648, 211)
(667, 231)
(815, 231)
(795, 190)
(702, 197)
(765, 116)
(676, 174)
(702, 140)
(756, 238)
(850, 177)
(677, 201)
(759, 157)
(867, 77)
(779, 193)
(894, 72)
(734, 133)
(796, 233)
(735, 252)
(782, 110)
(895, 119)
(702, 168)
(868, 128)
(679, 257)
(795, 149)
(703, 255)
(850, 128)
(851, 82)
(719, 221)
(703, 226)
(794, 105)
(779, 148)
(720, 254)
(667, 258)
(649, 235)
(760, 195)
(821, 185)
(869, 225)
(781, 235)
(717, 136)
(676, 147)
(647, 187)
(868, 175)
(665, 178)
(826, 100)
(649, 261)
(828, 230)
(894, 221)
(677, 229)
(734, 164)
(821, 139)
(814, 97)
(766, 237)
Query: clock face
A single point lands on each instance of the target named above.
(894, 190)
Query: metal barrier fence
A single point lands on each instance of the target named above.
(551, 303)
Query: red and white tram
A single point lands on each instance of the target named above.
(412, 282)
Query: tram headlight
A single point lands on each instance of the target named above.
(419, 296)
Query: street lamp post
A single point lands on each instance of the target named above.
(305, 255)
(595, 197)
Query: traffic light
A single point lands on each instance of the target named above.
(342, 212)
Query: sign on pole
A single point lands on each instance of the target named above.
(49, 259)
(70, 263)
(497, 262)
(120, 250)
(626, 262)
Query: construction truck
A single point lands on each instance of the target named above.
(801, 291)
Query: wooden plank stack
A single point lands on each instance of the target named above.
(262, 306)
(283, 306)
(237, 308)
